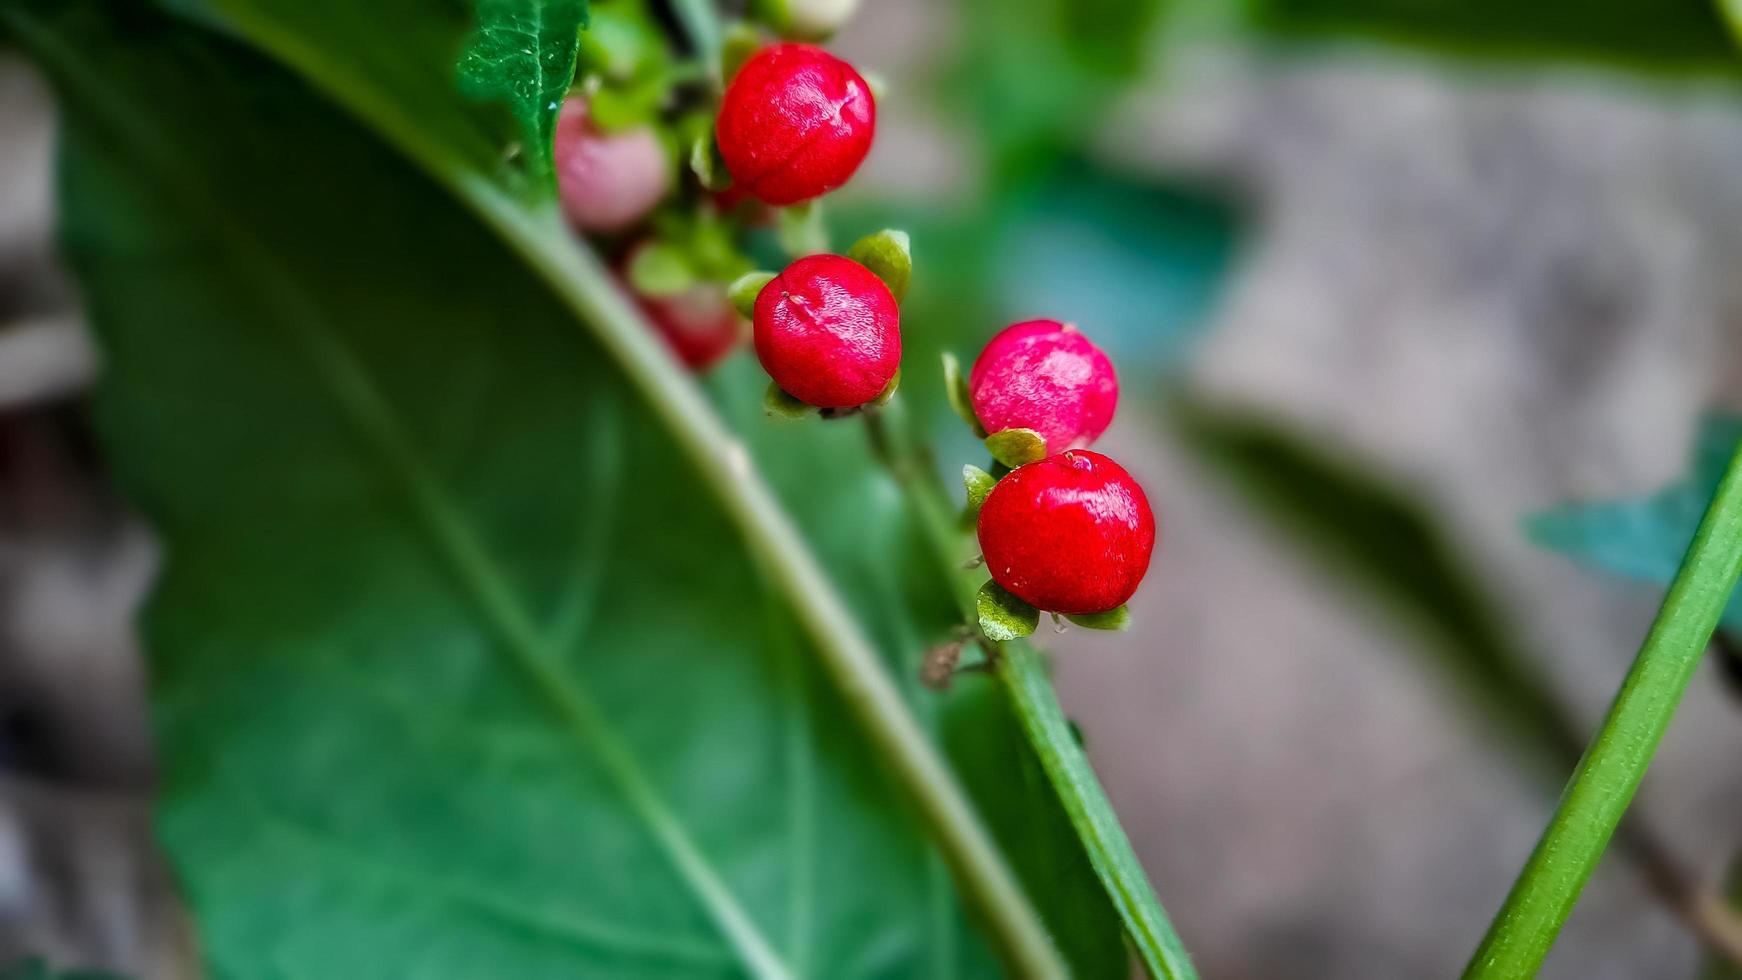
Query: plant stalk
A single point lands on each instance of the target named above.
(1607, 776)
(1022, 671)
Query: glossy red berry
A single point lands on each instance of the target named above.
(1046, 376)
(828, 332)
(1070, 534)
(795, 123)
(607, 181)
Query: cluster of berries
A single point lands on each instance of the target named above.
(1062, 529)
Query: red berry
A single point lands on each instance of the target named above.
(828, 332)
(607, 181)
(698, 324)
(1046, 376)
(795, 123)
(1070, 534)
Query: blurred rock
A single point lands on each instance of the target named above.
(81, 886)
(1509, 289)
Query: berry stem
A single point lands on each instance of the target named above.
(1604, 781)
(1022, 671)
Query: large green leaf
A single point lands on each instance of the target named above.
(457, 671)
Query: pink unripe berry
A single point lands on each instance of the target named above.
(1046, 376)
(1069, 534)
(607, 181)
(795, 123)
(699, 324)
(828, 332)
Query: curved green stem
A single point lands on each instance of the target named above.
(1024, 675)
(1604, 782)
(1022, 671)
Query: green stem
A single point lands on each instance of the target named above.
(723, 467)
(1022, 670)
(1606, 778)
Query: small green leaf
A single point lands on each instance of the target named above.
(889, 254)
(956, 388)
(1003, 616)
(705, 161)
(979, 484)
(1643, 538)
(888, 391)
(660, 269)
(746, 288)
(779, 404)
(741, 42)
(522, 55)
(1112, 619)
(800, 230)
(1016, 447)
(878, 85)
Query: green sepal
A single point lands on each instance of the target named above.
(745, 289)
(1112, 619)
(705, 161)
(1016, 447)
(800, 230)
(888, 391)
(740, 43)
(979, 484)
(878, 85)
(956, 389)
(776, 402)
(1004, 616)
(660, 269)
(889, 254)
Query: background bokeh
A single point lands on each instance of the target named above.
(1384, 280)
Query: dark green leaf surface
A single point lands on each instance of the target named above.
(403, 58)
(457, 672)
(522, 54)
(1644, 538)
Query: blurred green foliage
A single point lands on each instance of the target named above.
(1650, 34)
(1034, 77)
